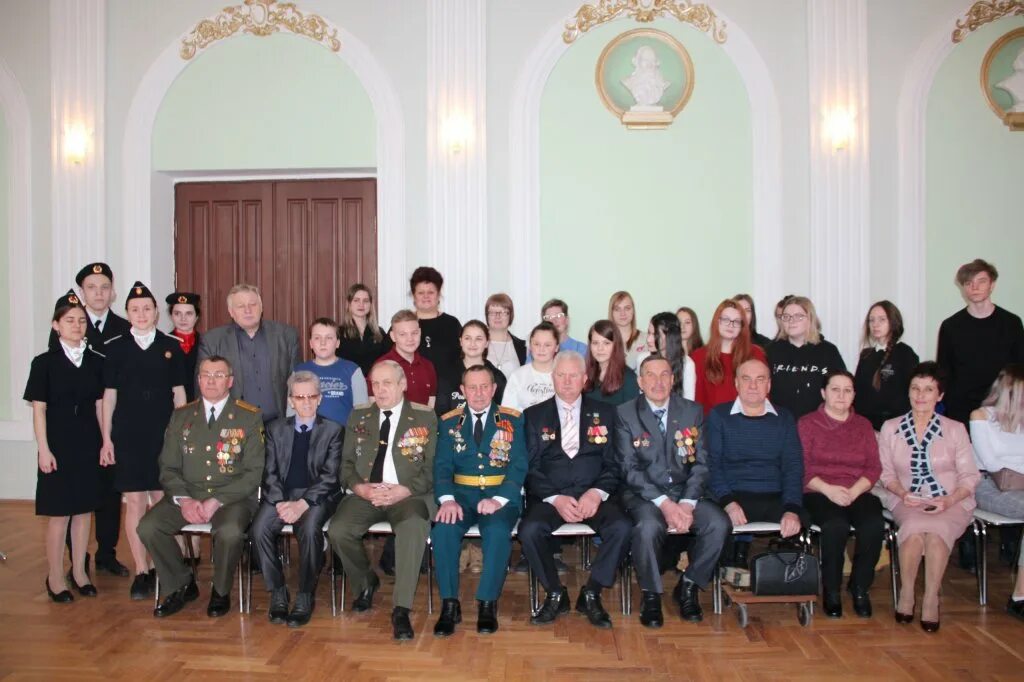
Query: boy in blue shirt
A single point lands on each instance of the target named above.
(342, 383)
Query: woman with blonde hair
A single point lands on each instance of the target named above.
(622, 312)
(361, 339)
(800, 358)
(997, 431)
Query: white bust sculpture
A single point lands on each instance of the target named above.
(1014, 84)
(646, 83)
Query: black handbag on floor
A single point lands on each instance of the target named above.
(784, 570)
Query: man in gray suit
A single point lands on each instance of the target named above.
(301, 488)
(659, 440)
(263, 352)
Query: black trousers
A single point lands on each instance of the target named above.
(865, 515)
(763, 508)
(711, 526)
(108, 517)
(541, 519)
(266, 527)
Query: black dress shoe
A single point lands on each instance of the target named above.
(62, 597)
(1015, 607)
(176, 600)
(650, 610)
(487, 617)
(278, 612)
(302, 611)
(86, 590)
(451, 615)
(400, 623)
(832, 604)
(364, 602)
(589, 604)
(555, 603)
(861, 602)
(112, 566)
(142, 587)
(219, 604)
(689, 601)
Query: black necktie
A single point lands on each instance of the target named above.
(478, 428)
(99, 323)
(303, 428)
(377, 472)
(212, 418)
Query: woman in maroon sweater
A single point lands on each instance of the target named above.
(841, 465)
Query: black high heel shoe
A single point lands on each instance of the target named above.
(86, 590)
(904, 618)
(931, 625)
(62, 597)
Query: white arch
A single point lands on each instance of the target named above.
(137, 164)
(21, 299)
(524, 170)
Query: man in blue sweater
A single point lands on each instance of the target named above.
(754, 454)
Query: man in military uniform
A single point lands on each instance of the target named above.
(210, 468)
(387, 469)
(478, 479)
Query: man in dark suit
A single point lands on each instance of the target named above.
(300, 487)
(659, 439)
(387, 471)
(263, 352)
(573, 477)
(96, 289)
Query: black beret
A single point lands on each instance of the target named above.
(139, 290)
(68, 299)
(94, 269)
(182, 297)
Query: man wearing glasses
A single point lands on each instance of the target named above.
(301, 488)
(210, 469)
(556, 311)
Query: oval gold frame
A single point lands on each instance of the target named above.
(986, 65)
(666, 38)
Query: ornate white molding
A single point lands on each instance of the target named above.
(259, 18)
(20, 258)
(984, 12)
(840, 188)
(700, 16)
(136, 167)
(524, 168)
(911, 179)
(457, 151)
(77, 96)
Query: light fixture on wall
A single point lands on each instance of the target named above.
(76, 143)
(839, 128)
(456, 132)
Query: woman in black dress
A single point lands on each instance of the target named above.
(144, 377)
(183, 307)
(882, 381)
(361, 339)
(473, 344)
(439, 332)
(65, 387)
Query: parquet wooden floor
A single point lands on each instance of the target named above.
(111, 637)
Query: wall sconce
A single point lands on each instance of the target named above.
(456, 132)
(76, 143)
(839, 128)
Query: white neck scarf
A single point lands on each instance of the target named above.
(144, 340)
(74, 353)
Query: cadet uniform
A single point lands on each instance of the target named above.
(469, 472)
(201, 460)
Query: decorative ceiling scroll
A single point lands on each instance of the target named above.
(259, 18)
(700, 16)
(985, 12)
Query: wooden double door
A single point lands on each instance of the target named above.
(303, 243)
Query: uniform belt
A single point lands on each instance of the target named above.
(479, 481)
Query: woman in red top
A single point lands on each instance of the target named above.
(841, 464)
(728, 347)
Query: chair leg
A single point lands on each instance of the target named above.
(892, 539)
(334, 578)
(430, 578)
(531, 580)
(156, 592)
(627, 583)
(716, 590)
(980, 544)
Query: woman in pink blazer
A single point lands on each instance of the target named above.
(928, 466)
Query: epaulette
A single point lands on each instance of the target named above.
(363, 406)
(510, 411)
(191, 404)
(420, 407)
(453, 413)
(248, 406)
(112, 339)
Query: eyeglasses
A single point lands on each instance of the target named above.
(799, 317)
(209, 376)
(553, 317)
(305, 398)
(497, 313)
(726, 322)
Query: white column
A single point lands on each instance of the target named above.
(457, 153)
(77, 90)
(838, 87)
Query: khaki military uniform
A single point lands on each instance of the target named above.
(223, 460)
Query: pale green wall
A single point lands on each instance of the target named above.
(265, 103)
(664, 214)
(973, 183)
(5, 312)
